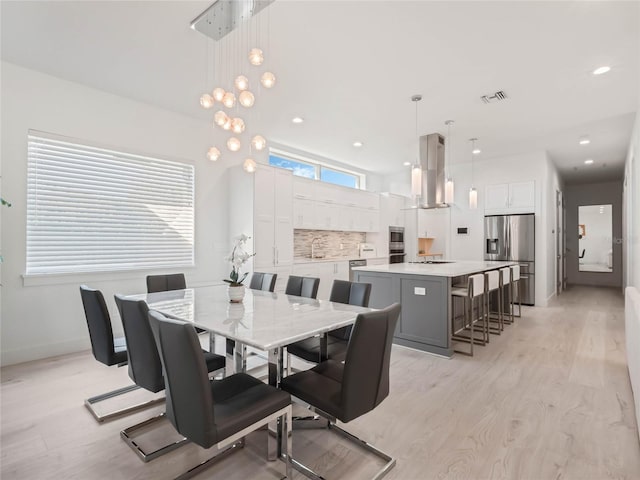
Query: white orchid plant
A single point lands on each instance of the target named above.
(237, 258)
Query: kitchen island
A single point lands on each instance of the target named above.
(423, 290)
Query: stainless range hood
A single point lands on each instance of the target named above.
(433, 176)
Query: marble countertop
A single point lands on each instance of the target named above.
(453, 269)
(263, 320)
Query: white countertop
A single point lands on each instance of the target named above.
(454, 269)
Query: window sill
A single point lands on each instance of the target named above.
(40, 279)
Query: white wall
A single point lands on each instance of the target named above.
(631, 202)
(45, 317)
(604, 193)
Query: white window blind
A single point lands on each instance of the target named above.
(97, 209)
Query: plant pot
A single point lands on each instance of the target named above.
(236, 294)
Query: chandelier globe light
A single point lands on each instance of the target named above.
(213, 154)
(220, 118)
(229, 100)
(241, 82)
(268, 80)
(218, 94)
(234, 144)
(227, 124)
(249, 165)
(256, 57)
(206, 101)
(258, 142)
(246, 99)
(237, 125)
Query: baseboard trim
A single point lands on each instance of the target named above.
(38, 352)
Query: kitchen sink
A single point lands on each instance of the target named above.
(433, 261)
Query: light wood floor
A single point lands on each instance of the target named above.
(549, 399)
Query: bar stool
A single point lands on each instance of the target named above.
(474, 290)
(515, 285)
(505, 281)
(492, 284)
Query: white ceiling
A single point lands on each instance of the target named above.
(350, 68)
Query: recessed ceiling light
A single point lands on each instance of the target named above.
(406, 164)
(601, 70)
(297, 119)
(476, 151)
(584, 141)
(357, 144)
(588, 161)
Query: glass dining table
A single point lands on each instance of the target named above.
(265, 321)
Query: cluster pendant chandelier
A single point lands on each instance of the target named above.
(239, 74)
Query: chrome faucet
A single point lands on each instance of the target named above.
(313, 249)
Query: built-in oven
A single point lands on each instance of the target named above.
(396, 245)
(396, 235)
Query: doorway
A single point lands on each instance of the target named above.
(560, 243)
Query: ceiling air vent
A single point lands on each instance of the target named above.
(496, 97)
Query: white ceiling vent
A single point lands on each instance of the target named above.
(493, 98)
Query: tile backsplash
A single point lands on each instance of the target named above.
(328, 243)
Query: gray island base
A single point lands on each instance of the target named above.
(423, 290)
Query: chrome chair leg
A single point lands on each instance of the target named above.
(390, 461)
(127, 436)
(90, 402)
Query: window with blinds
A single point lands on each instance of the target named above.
(93, 209)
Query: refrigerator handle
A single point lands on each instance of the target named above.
(507, 226)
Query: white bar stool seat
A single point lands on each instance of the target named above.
(492, 279)
(472, 292)
(515, 290)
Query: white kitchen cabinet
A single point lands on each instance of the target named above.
(283, 273)
(522, 197)
(391, 211)
(328, 272)
(272, 218)
(327, 216)
(303, 188)
(506, 198)
(323, 206)
(304, 214)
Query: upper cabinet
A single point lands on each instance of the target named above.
(323, 206)
(272, 218)
(508, 198)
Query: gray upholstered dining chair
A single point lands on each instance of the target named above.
(342, 291)
(219, 412)
(107, 350)
(263, 281)
(302, 286)
(166, 283)
(346, 391)
(145, 368)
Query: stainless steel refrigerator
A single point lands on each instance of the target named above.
(512, 237)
